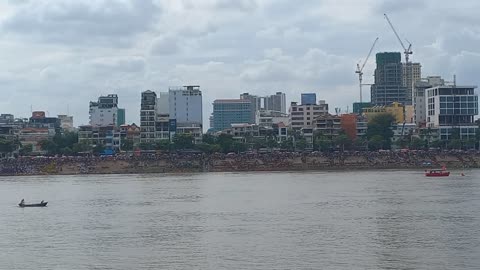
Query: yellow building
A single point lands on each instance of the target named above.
(396, 109)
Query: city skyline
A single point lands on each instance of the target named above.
(58, 64)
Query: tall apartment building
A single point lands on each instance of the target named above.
(185, 104)
(412, 72)
(148, 112)
(256, 105)
(186, 111)
(231, 111)
(452, 107)
(302, 116)
(419, 107)
(277, 103)
(162, 117)
(104, 112)
(388, 86)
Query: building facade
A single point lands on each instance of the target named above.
(148, 112)
(104, 112)
(396, 109)
(277, 102)
(231, 111)
(66, 122)
(388, 86)
(185, 104)
(302, 116)
(412, 72)
(419, 105)
(451, 108)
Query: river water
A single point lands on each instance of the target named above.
(313, 220)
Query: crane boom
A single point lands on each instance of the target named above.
(406, 51)
(395, 31)
(360, 69)
(369, 53)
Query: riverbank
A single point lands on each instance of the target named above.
(184, 163)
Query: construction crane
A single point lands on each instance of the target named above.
(360, 69)
(406, 51)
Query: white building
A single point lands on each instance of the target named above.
(301, 116)
(419, 107)
(185, 104)
(452, 107)
(412, 72)
(66, 122)
(104, 112)
(268, 118)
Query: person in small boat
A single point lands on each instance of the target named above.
(22, 202)
(41, 202)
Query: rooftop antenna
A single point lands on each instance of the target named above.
(454, 80)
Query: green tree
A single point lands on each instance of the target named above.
(343, 141)
(6, 146)
(208, 139)
(455, 144)
(376, 142)
(380, 125)
(49, 146)
(301, 144)
(127, 145)
(183, 141)
(26, 149)
(225, 141)
(402, 143)
(99, 148)
(164, 145)
(417, 143)
(146, 146)
(321, 142)
(287, 144)
(239, 147)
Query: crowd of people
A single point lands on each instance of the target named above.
(269, 160)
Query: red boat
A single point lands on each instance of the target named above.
(437, 173)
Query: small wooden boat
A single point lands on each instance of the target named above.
(42, 204)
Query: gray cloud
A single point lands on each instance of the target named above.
(111, 22)
(53, 50)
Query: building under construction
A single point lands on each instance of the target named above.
(389, 86)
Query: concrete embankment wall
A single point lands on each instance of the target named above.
(265, 164)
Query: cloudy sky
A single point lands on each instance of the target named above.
(57, 55)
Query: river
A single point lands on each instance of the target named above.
(311, 220)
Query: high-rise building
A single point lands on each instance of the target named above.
(256, 105)
(120, 117)
(388, 86)
(309, 99)
(412, 72)
(148, 110)
(302, 116)
(451, 107)
(104, 112)
(231, 111)
(276, 103)
(419, 108)
(185, 104)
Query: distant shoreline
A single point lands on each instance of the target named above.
(172, 164)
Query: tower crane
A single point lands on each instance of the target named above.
(360, 69)
(406, 50)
